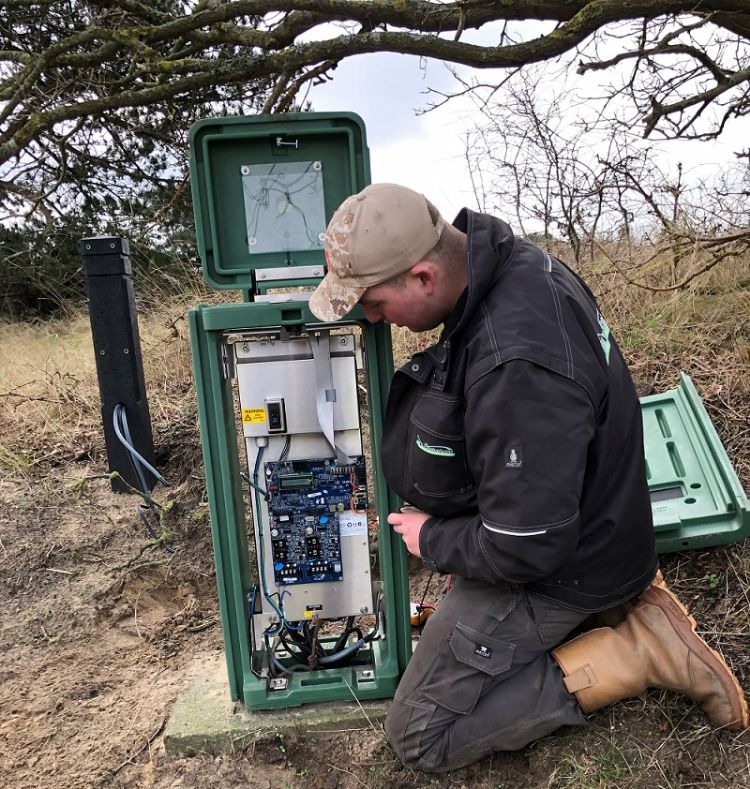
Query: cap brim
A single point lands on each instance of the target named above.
(331, 300)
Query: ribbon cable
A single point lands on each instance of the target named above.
(325, 392)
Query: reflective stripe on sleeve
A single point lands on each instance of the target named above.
(513, 533)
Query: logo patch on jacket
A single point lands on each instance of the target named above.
(603, 335)
(514, 457)
(482, 651)
(444, 452)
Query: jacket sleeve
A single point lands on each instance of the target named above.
(527, 436)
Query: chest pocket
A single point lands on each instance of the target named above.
(436, 454)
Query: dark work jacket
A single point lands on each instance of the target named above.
(520, 433)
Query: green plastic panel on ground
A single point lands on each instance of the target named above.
(697, 499)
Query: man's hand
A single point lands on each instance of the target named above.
(409, 524)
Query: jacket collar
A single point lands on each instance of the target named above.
(490, 244)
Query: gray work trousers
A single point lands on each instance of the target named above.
(481, 678)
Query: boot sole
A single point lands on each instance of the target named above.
(685, 626)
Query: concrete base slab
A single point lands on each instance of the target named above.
(205, 720)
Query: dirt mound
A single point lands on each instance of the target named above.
(98, 630)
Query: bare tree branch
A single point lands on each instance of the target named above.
(70, 64)
(603, 187)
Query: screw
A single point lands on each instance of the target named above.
(364, 609)
(245, 170)
(317, 165)
(343, 340)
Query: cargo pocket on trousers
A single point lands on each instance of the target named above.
(460, 674)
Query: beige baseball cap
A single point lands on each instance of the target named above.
(373, 236)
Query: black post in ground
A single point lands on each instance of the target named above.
(117, 346)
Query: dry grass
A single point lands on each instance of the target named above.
(703, 331)
(49, 396)
(49, 416)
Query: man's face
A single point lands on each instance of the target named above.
(407, 303)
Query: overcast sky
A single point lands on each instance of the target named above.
(426, 152)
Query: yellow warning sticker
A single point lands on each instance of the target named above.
(309, 614)
(252, 416)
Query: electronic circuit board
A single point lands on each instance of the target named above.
(305, 500)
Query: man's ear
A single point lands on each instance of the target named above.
(426, 272)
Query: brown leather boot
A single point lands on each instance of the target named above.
(656, 646)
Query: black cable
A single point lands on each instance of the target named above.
(424, 593)
(276, 667)
(306, 641)
(421, 607)
(336, 660)
(309, 641)
(303, 648)
(349, 630)
(260, 490)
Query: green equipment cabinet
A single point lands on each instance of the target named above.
(310, 612)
